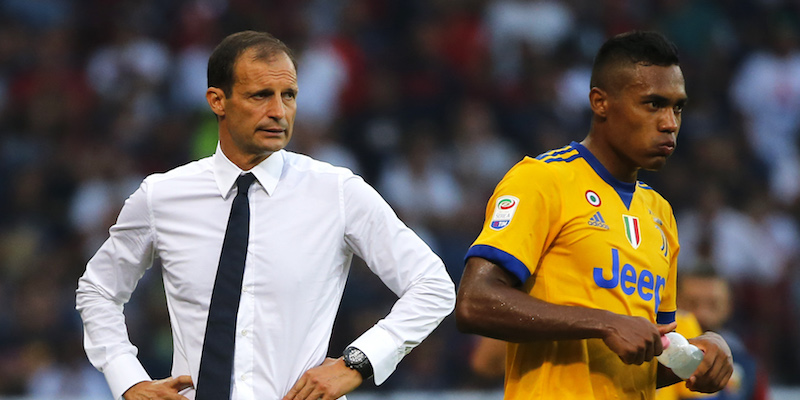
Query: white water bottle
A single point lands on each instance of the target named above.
(679, 355)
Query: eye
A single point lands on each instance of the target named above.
(289, 95)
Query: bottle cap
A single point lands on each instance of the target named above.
(664, 342)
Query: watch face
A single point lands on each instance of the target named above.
(355, 356)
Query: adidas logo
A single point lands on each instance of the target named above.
(598, 221)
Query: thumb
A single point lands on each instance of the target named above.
(664, 329)
(181, 382)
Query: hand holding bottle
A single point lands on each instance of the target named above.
(679, 355)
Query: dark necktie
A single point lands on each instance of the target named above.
(216, 363)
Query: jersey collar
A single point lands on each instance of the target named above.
(624, 189)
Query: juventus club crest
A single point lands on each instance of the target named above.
(632, 231)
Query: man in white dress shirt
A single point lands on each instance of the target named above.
(306, 221)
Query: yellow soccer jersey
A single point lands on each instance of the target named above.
(574, 235)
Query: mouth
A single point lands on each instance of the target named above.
(666, 148)
(272, 131)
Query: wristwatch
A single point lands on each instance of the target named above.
(357, 360)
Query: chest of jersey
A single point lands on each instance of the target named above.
(606, 252)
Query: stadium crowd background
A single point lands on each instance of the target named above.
(431, 101)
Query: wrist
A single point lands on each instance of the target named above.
(604, 325)
(356, 360)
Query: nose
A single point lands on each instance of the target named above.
(670, 121)
(275, 108)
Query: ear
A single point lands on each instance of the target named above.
(598, 101)
(216, 100)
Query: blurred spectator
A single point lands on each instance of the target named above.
(757, 247)
(517, 27)
(708, 296)
(482, 154)
(421, 187)
(766, 91)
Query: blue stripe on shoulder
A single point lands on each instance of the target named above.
(557, 152)
(507, 261)
(643, 185)
(568, 159)
(663, 318)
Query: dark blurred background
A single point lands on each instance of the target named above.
(431, 101)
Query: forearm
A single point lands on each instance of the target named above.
(106, 339)
(504, 312)
(665, 377)
(413, 317)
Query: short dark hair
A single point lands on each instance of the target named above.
(635, 47)
(225, 55)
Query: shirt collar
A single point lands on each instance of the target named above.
(267, 172)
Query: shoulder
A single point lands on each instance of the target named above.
(183, 172)
(179, 180)
(302, 163)
(653, 197)
(552, 167)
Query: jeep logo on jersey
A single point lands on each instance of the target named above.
(504, 211)
(630, 281)
(632, 231)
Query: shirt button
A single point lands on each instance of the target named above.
(245, 332)
(245, 377)
(245, 289)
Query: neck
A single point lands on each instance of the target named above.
(244, 161)
(614, 162)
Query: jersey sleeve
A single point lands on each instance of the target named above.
(519, 220)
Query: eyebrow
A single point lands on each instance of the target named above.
(664, 100)
(269, 92)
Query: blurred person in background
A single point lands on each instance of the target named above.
(277, 299)
(708, 296)
(688, 327)
(755, 249)
(576, 333)
(766, 92)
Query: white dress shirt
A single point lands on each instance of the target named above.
(307, 219)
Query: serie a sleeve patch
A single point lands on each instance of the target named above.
(504, 209)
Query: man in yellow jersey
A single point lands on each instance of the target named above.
(576, 264)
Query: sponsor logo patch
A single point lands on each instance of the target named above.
(598, 221)
(504, 211)
(593, 198)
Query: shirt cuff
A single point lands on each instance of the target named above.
(381, 350)
(123, 372)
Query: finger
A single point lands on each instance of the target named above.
(305, 392)
(711, 379)
(650, 352)
(634, 357)
(664, 329)
(295, 389)
(181, 382)
(720, 372)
